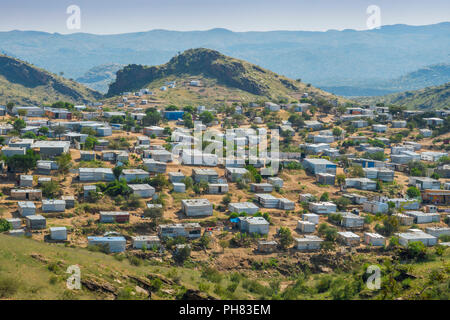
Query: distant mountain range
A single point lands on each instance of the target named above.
(99, 78)
(436, 97)
(325, 59)
(23, 83)
(433, 75)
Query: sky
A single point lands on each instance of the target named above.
(112, 17)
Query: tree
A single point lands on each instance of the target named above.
(286, 238)
(182, 254)
(59, 130)
(154, 214)
(5, 225)
(325, 196)
(171, 108)
(22, 163)
(10, 106)
(152, 117)
(117, 171)
(43, 130)
(64, 162)
(297, 120)
(19, 124)
(357, 171)
(50, 189)
(337, 132)
(413, 192)
(188, 122)
(206, 117)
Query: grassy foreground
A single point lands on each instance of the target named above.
(35, 270)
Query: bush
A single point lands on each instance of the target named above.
(5, 225)
(8, 287)
(413, 192)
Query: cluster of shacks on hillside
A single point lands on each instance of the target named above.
(318, 158)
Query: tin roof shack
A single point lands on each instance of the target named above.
(70, 201)
(197, 207)
(58, 233)
(12, 151)
(134, 174)
(375, 207)
(111, 244)
(315, 166)
(325, 178)
(160, 155)
(361, 184)
(88, 189)
(176, 177)
(27, 208)
(235, 174)
(352, 221)
(306, 226)
(142, 190)
(114, 217)
(254, 225)
(413, 236)
(398, 124)
(430, 208)
(379, 128)
(26, 194)
(153, 130)
(15, 223)
(322, 207)
(143, 141)
(267, 246)
(147, 242)
(407, 204)
(308, 242)
(404, 219)
(348, 238)
(36, 222)
(311, 217)
(423, 217)
(96, 174)
(374, 239)
(154, 166)
(217, 188)
(355, 198)
(179, 187)
(438, 231)
(51, 149)
(247, 207)
(53, 205)
(87, 155)
(286, 204)
(425, 183)
(207, 175)
(261, 187)
(267, 200)
(26, 180)
(436, 196)
(382, 174)
(187, 230)
(45, 167)
(276, 182)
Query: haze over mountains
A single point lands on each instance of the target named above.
(325, 59)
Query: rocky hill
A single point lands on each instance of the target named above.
(23, 83)
(436, 97)
(210, 64)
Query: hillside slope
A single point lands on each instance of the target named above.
(23, 83)
(210, 64)
(437, 97)
(433, 75)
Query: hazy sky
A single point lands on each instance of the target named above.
(110, 16)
